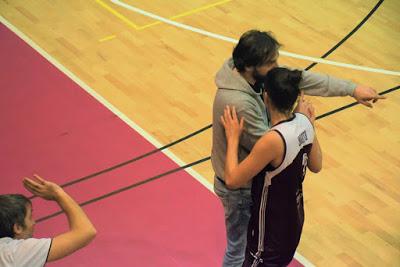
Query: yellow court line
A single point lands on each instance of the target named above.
(149, 25)
(107, 38)
(193, 11)
(136, 27)
(187, 13)
(117, 14)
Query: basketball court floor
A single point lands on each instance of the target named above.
(112, 99)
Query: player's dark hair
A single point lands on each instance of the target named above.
(282, 87)
(254, 48)
(12, 211)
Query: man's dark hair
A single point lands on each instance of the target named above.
(282, 87)
(254, 49)
(12, 211)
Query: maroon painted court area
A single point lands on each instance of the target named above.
(51, 126)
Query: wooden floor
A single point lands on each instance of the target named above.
(161, 77)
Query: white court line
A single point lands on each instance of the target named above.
(122, 116)
(231, 40)
(302, 260)
(107, 104)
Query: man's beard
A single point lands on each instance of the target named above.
(257, 76)
(259, 82)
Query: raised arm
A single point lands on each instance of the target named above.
(238, 175)
(81, 230)
(315, 155)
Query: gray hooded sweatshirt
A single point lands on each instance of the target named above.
(234, 90)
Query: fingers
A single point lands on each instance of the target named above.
(223, 121)
(26, 183)
(230, 119)
(227, 114)
(32, 186)
(230, 115)
(307, 104)
(226, 118)
(311, 108)
(39, 179)
(365, 103)
(377, 97)
(31, 183)
(234, 115)
(27, 187)
(374, 99)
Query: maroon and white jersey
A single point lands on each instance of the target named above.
(277, 214)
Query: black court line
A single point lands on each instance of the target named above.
(74, 181)
(128, 187)
(90, 176)
(348, 35)
(189, 165)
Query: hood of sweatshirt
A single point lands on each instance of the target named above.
(228, 78)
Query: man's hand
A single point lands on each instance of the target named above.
(42, 188)
(364, 95)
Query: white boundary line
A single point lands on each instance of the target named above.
(231, 40)
(302, 260)
(122, 116)
(107, 104)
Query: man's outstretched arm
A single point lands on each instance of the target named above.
(318, 84)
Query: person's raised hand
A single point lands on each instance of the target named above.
(42, 188)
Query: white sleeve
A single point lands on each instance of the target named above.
(32, 252)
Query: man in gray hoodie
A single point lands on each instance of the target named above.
(239, 85)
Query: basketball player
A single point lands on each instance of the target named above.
(278, 163)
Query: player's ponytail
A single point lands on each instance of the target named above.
(294, 77)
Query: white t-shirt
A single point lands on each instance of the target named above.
(29, 252)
